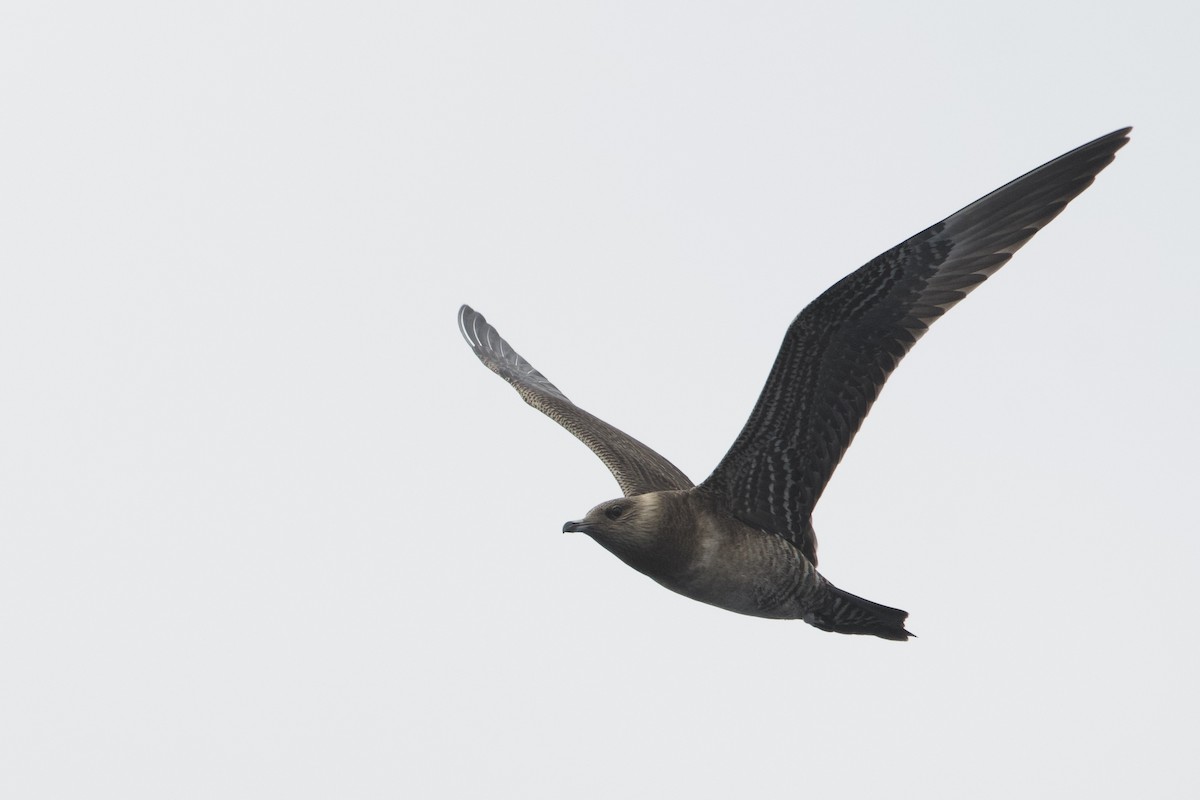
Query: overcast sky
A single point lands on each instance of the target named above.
(268, 529)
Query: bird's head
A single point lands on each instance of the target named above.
(628, 522)
(653, 533)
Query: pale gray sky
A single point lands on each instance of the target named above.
(268, 529)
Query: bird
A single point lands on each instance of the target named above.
(743, 539)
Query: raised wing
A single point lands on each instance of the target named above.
(841, 348)
(637, 468)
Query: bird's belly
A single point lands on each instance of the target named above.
(755, 574)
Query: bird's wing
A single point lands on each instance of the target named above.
(841, 348)
(637, 468)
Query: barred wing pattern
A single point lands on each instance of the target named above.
(841, 348)
(637, 468)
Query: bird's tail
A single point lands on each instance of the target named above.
(842, 612)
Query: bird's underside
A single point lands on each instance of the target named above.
(835, 358)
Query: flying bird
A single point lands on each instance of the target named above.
(743, 539)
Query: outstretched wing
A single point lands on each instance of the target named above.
(841, 348)
(637, 468)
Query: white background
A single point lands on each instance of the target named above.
(269, 529)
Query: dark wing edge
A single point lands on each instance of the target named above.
(637, 468)
(840, 350)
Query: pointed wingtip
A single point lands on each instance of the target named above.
(1105, 147)
(1122, 135)
(1110, 142)
(469, 321)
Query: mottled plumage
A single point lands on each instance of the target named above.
(743, 539)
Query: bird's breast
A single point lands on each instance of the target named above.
(742, 569)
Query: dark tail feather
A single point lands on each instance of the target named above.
(842, 612)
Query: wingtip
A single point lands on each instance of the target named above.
(467, 318)
(1114, 141)
(1122, 135)
(1109, 143)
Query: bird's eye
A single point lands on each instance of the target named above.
(613, 512)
